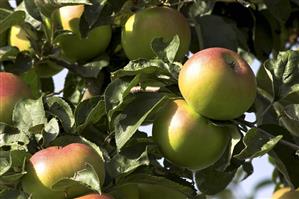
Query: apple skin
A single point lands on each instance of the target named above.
(95, 196)
(286, 193)
(146, 191)
(187, 139)
(48, 166)
(148, 24)
(73, 46)
(218, 84)
(12, 89)
(19, 38)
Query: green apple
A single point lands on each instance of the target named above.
(95, 196)
(146, 25)
(146, 191)
(218, 84)
(48, 166)
(19, 38)
(187, 139)
(12, 89)
(74, 46)
(286, 193)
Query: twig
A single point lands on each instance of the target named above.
(148, 89)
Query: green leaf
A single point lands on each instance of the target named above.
(134, 114)
(284, 156)
(47, 7)
(116, 92)
(87, 177)
(12, 194)
(180, 185)
(73, 85)
(166, 51)
(8, 53)
(14, 18)
(89, 112)
(221, 34)
(125, 163)
(257, 144)
(284, 74)
(154, 67)
(281, 9)
(62, 110)
(51, 131)
(33, 81)
(12, 167)
(29, 113)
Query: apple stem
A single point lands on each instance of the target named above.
(194, 182)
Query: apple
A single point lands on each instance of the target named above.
(74, 46)
(46, 167)
(19, 38)
(148, 24)
(146, 191)
(12, 89)
(95, 196)
(218, 84)
(286, 193)
(187, 139)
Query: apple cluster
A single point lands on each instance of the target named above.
(216, 84)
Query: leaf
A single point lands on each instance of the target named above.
(134, 114)
(211, 181)
(73, 86)
(89, 112)
(281, 9)
(14, 140)
(220, 34)
(7, 53)
(285, 158)
(47, 7)
(14, 18)
(154, 67)
(150, 179)
(62, 110)
(166, 51)
(124, 163)
(12, 167)
(50, 132)
(33, 81)
(284, 74)
(12, 194)
(87, 177)
(257, 144)
(116, 92)
(29, 113)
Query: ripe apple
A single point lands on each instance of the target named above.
(148, 24)
(187, 139)
(19, 38)
(286, 193)
(74, 46)
(95, 196)
(218, 84)
(146, 191)
(48, 166)
(12, 89)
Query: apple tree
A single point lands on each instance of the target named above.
(181, 68)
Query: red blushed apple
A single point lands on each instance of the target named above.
(95, 196)
(48, 166)
(218, 84)
(187, 139)
(12, 89)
